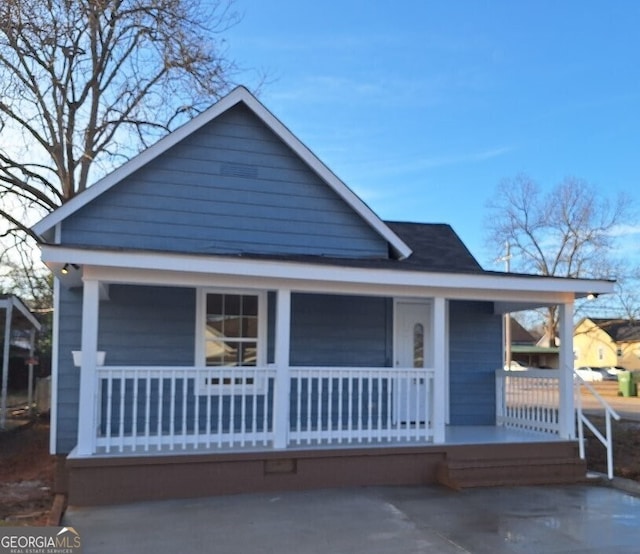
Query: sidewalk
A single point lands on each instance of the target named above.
(573, 519)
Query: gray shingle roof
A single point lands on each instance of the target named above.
(620, 330)
(436, 247)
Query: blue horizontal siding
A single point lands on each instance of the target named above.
(69, 331)
(475, 354)
(336, 330)
(148, 326)
(231, 187)
(137, 326)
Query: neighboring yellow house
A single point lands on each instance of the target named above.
(607, 342)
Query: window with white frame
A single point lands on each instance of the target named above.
(232, 329)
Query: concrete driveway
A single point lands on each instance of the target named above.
(579, 519)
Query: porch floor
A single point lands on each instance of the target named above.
(454, 435)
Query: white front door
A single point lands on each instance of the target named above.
(412, 349)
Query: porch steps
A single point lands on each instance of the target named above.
(460, 474)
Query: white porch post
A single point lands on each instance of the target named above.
(440, 348)
(566, 409)
(87, 422)
(283, 381)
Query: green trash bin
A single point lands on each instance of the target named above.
(626, 384)
(635, 382)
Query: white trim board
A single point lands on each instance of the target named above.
(116, 266)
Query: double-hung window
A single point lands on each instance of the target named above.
(232, 329)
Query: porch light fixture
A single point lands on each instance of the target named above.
(592, 296)
(65, 268)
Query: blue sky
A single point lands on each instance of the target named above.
(423, 107)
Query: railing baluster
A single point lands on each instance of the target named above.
(109, 426)
(172, 416)
(369, 380)
(123, 390)
(359, 421)
(207, 391)
(243, 404)
(232, 407)
(196, 409)
(254, 407)
(266, 409)
(330, 427)
(298, 388)
(134, 414)
(219, 388)
(160, 437)
(147, 411)
(340, 407)
(309, 432)
(320, 410)
(379, 406)
(183, 427)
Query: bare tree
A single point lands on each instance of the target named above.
(85, 83)
(567, 231)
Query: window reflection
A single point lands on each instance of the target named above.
(231, 333)
(418, 345)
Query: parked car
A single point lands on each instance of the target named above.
(515, 366)
(591, 374)
(611, 373)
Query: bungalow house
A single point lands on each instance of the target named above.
(607, 343)
(242, 321)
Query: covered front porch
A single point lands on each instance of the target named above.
(344, 427)
(299, 356)
(269, 373)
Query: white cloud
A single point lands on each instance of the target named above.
(624, 230)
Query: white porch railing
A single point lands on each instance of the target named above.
(142, 409)
(607, 438)
(528, 400)
(347, 405)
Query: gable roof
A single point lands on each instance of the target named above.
(45, 227)
(519, 335)
(620, 330)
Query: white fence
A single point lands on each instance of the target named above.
(142, 409)
(528, 400)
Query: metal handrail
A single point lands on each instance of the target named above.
(582, 420)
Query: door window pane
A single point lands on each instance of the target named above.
(418, 345)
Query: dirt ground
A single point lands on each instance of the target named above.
(26, 474)
(26, 468)
(626, 449)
